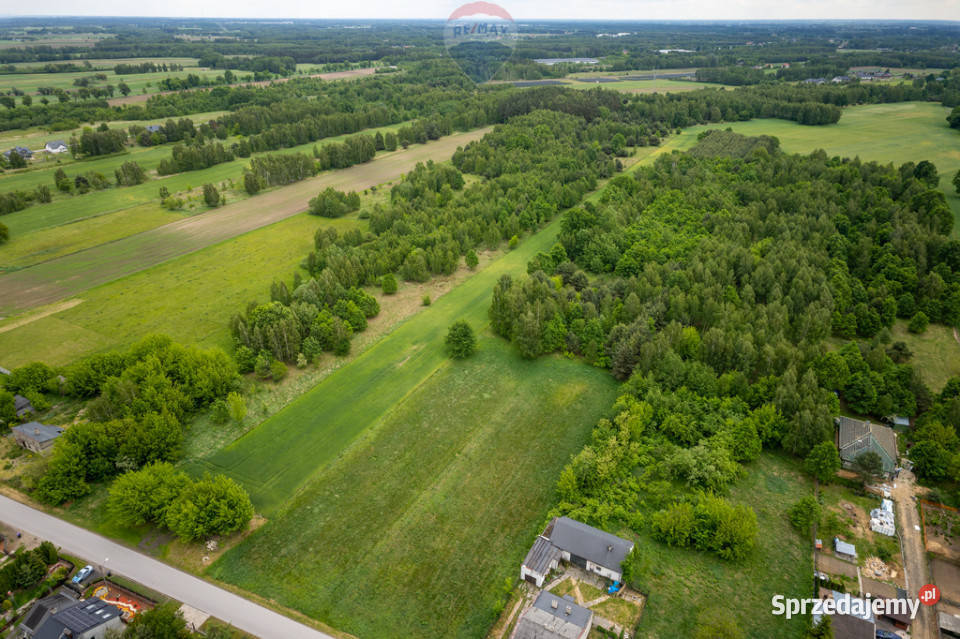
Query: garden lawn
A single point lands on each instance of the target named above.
(684, 582)
(417, 529)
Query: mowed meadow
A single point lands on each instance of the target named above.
(418, 527)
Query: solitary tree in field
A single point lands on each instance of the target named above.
(461, 342)
(210, 195)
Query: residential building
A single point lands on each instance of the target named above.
(88, 619)
(569, 540)
(57, 146)
(856, 437)
(554, 617)
(42, 610)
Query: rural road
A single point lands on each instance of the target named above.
(236, 610)
(70, 275)
(915, 571)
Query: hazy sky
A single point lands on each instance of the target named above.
(519, 9)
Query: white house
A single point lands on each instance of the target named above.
(57, 146)
(572, 541)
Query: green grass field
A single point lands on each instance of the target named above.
(343, 405)
(936, 353)
(191, 297)
(417, 529)
(898, 133)
(648, 86)
(139, 83)
(66, 209)
(685, 582)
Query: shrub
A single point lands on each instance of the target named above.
(918, 323)
(389, 284)
(278, 370)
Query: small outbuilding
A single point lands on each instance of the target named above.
(844, 549)
(554, 617)
(36, 436)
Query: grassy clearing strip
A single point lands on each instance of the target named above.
(430, 513)
(343, 405)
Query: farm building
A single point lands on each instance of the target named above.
(844, 549)
(42, 610)
(554, 617)
(855, 437)
(22, 405)
(36, 436)
(57, 146)
(88, 619)
(585, 546)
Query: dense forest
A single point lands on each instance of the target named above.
(710, 282)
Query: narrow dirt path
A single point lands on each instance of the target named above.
(915, 556)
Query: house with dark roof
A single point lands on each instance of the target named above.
(36, 436)
(88, 619)
(856, 437)
(22, 151)
(554, 617)
(572, 541)
(42, 610)
(22, 405)
(57, 146)
(857, 625)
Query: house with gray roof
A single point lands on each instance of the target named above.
(56, 146)
(572, 541)
(42, 610)
(856, 437)
(88, 619)
(554, 617)
(844, 549)
(35, 436)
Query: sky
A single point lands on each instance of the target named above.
(519, 9)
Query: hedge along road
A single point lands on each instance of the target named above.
(278, 457)
(236, 610)
(72, 274)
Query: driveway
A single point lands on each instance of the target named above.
(236, 610)
(915, 568)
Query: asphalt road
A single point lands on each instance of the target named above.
(158, 576)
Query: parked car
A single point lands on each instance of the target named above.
(886, 634)
(82, 574)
